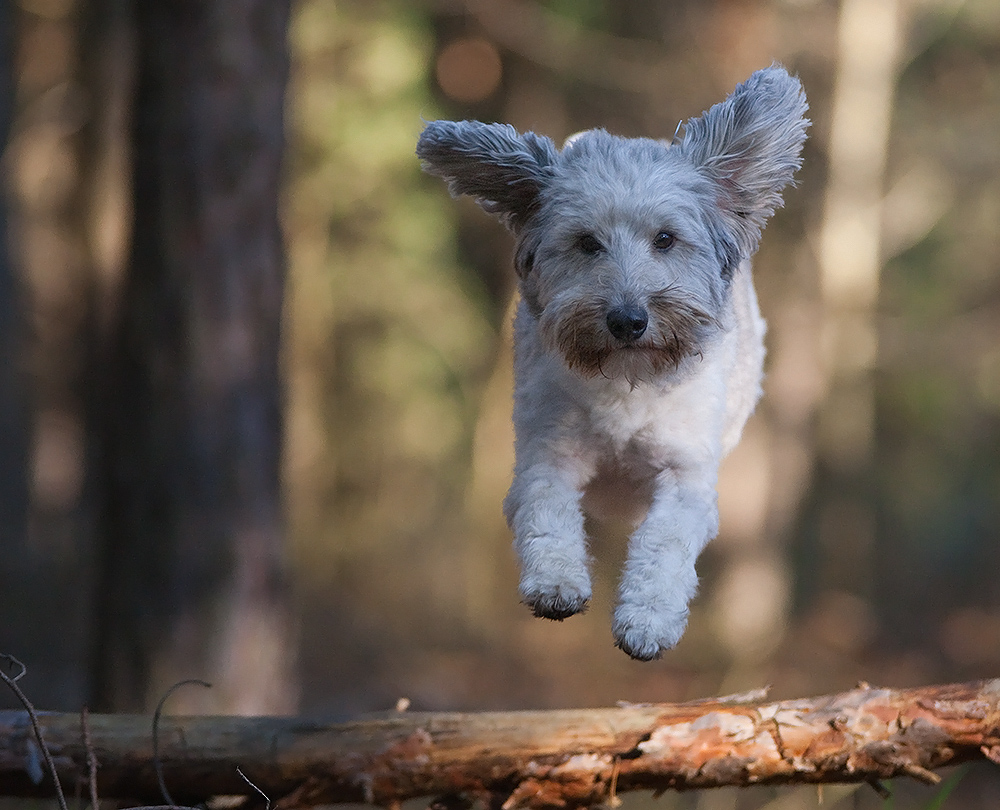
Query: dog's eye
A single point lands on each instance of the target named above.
(663, 240)
(589, 244)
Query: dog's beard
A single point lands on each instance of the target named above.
(676, 331)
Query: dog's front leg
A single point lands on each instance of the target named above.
(659, 579)
(543, 511)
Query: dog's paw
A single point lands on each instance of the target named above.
(644, 634)
(555, 601)
(555, 580)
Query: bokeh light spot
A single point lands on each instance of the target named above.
(469, 69)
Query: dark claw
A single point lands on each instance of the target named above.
(637, 655)
(557, 608)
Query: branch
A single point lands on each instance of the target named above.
(525, 759)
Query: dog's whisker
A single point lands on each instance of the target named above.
(600, 368)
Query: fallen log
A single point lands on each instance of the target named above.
(537, 760)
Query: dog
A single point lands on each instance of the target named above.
(638, 342)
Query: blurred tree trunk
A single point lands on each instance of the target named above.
(13, 429)
(13, 436)
(866, 71)
(193, 580)
(13, 413)
(47, 542)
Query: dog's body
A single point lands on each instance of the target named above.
(638, 341)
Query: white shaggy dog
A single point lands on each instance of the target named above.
(638, 341)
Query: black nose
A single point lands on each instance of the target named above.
(627, 323)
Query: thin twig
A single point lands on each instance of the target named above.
(77, 794)
(261, 792)
(12, 683)
(88, 744)
(883, 792)
(157, 764)
(613, 800)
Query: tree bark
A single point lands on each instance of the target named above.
(539, 760)
(15, 563)
(193, 578)
(13, 411)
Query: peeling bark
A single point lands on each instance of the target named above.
(554, 759)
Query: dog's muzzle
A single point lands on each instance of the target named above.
(628, 340)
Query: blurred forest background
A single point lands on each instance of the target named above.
(274, 457)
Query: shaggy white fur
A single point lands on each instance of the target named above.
(638, 341)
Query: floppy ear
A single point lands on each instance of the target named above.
(750, 146)
(503, 170)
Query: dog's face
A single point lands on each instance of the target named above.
(626, 247)
(622, 263)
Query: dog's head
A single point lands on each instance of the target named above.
(626, 247)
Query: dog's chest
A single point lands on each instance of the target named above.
(633, 419)
(632, 435)
(655, 425)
